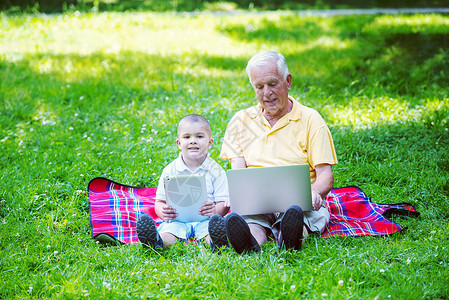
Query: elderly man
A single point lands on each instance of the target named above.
(278, 131)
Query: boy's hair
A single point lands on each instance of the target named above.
(263, 58)
(195, 118)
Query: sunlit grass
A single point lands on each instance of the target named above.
(425, 24)
(365, 113)
(85, 95)
(111, 33)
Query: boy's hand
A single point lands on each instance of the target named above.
(208, 209)
(168, 213)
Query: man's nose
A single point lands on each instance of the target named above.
(267, 90)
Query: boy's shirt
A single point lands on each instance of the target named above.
(216, 181)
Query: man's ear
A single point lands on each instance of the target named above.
(289, 80)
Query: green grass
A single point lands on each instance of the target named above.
(86, 95)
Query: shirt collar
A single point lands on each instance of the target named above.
(294, 115)
(181, 166)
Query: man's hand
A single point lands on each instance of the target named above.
(317, 201)
(208, 209)
(323, 184)
(167, 212)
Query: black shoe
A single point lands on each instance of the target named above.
(107, 239)
(217, 233)
(292, 224)
(147, 232)
(239, 234)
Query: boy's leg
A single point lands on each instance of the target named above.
(147, 232)
(173, 231)
(208, 241)
(168, 239)
(217, 233)
(200, 230)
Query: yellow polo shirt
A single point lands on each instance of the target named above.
(299, 137)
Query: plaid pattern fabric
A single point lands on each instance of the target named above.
(115, 208)
(353, 214)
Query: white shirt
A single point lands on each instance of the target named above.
(216, 181)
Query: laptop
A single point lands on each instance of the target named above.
(269, 189)
(186, 194)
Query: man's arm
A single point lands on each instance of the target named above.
(323, 184)
(238, 163)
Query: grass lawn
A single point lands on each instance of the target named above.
(87, 95)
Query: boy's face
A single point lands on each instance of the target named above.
(194, 140)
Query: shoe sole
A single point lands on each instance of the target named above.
(146, 231)
(217, 231)
(292, 228)
(239, 234)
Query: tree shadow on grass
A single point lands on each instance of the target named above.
(109, 80)
(111, 96)
(407, 58)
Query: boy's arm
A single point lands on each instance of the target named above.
(164, 211)
(221, 208)
(221, 190)
(209, 208)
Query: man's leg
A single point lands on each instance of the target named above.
(259, 233)
(305, 233)
(316, 221)
(239, 234)
(292, 228)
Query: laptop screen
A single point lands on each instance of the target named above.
(269, 189)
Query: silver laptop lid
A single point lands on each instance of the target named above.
(269, 189)
(186, 194)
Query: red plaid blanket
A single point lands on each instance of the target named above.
(353, 214)
(114, 209)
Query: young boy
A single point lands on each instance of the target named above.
(194, 139)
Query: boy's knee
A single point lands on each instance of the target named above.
(168, 239)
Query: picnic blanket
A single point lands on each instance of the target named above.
(114, 209)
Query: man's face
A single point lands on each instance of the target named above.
(271, 89)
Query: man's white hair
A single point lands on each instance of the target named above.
(264, 58)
